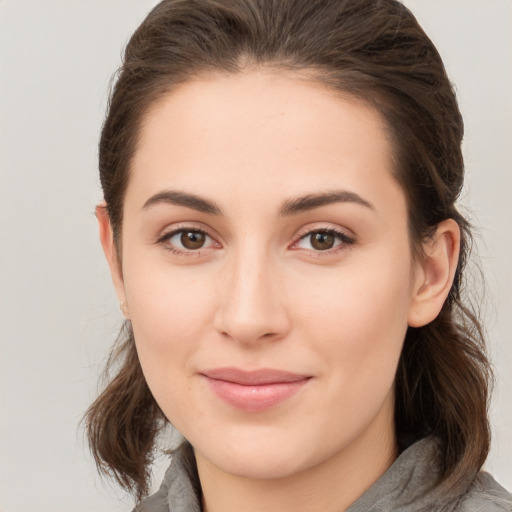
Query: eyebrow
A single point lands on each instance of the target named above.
(183, 199)
(289, 207)
(312, 201)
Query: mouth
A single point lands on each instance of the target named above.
(255, 390)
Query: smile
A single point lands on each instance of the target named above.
(254, 391)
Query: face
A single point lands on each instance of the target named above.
(267, 271)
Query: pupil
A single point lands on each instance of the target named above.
(192, 239)
(322, 241)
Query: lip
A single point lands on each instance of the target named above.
(254, 390)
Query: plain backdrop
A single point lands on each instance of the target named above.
(58, 313)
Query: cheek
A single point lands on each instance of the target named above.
(170, 319)
(170, 311)
(358, 319)
(163, 299)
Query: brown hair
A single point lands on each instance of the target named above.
(374, 50)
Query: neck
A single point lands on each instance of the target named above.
(331, 486)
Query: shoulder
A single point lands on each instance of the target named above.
(485, 495)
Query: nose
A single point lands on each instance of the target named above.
(252, 304)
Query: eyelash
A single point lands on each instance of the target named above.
(164, 241)
(345, 241)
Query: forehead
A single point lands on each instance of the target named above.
(258, 134)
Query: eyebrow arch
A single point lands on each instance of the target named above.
(311, 201)
(183, 199)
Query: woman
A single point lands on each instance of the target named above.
(280, 179)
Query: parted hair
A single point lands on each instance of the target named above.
(373, 50)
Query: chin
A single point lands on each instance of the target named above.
(260, 456)
(259, 465)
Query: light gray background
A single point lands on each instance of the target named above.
(58, 313)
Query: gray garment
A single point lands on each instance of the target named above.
(405, 487)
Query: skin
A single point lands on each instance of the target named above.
(260, 294)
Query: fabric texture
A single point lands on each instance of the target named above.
(407, 486)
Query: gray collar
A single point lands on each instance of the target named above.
(407, 486)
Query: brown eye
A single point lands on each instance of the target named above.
(322, 241)
(192, 240)
(188, 242)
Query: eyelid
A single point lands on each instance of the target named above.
(170, 231)
(341, 233)
(317, 226)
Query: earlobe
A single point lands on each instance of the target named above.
(435, 274)
(111, 254)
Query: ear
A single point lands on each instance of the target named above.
(111, 254)
(435, 273)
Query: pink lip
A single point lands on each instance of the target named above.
(255, 390)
